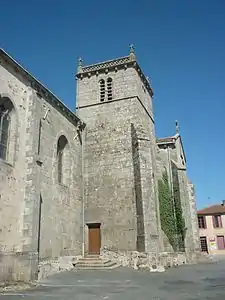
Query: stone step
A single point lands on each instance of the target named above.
(97, 268)
(94, 264)
(99, 262)
(90, 258)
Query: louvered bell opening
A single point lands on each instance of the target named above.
(102, 94)
(102, 90)
(109, 89)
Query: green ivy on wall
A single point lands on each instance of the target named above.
(180, 222)
(167, 217)
(171, 215)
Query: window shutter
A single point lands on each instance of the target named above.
(205, 225)
(214, 221)
(220, 242)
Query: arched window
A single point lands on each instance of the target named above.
(102, 90)
(6, 108)
(62, 147)
(109, 88)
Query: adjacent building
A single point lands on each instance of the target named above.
(211, 222)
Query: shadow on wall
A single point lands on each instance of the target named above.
(138, 191)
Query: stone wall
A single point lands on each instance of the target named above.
(184, 195)
(109, 173)
(193, 216)
(188, 200)
(171, 156)
(14, 177)
(40, 218)
(148, 261)
(54, 266)
(88, 88)
(119, 160)
(61, 203)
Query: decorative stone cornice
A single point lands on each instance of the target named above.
(40, 89)
(114, 65)
(167, 140)
(110, 64)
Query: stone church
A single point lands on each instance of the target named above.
(73, 184)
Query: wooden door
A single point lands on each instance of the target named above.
(94, 238)
(220, 242)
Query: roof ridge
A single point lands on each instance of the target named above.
(39, 86)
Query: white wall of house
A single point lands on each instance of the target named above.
(215, 236)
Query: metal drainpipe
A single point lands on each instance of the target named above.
(77, 98)
(170, 172)
(171, 184)
(82, 182)
(82, 168)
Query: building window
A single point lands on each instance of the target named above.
(201, 222)
(109, 88)
(217, 221)
(220, 242)
(102, 90)
(6, 108)
(203, 242)
(182, 159)
(61, 158)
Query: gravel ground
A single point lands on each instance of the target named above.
(202, 282)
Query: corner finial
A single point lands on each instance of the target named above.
(177, 127)
(132, 54)
(80, 65)
(131, 48)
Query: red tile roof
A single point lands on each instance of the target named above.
(211, 210)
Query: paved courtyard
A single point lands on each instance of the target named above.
(187, 282)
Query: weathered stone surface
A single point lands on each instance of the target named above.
(40, 219)
(146, 261)
(109, 174)
(170, 153)
(61, 264)
(119, 154)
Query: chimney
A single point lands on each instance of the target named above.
(223, 203)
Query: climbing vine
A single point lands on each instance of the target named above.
(167, 217)
(171, 215)
(180, 222)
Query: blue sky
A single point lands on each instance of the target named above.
(179, 44)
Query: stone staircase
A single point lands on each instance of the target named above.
(94, 262)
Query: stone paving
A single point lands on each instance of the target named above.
(205, 281)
